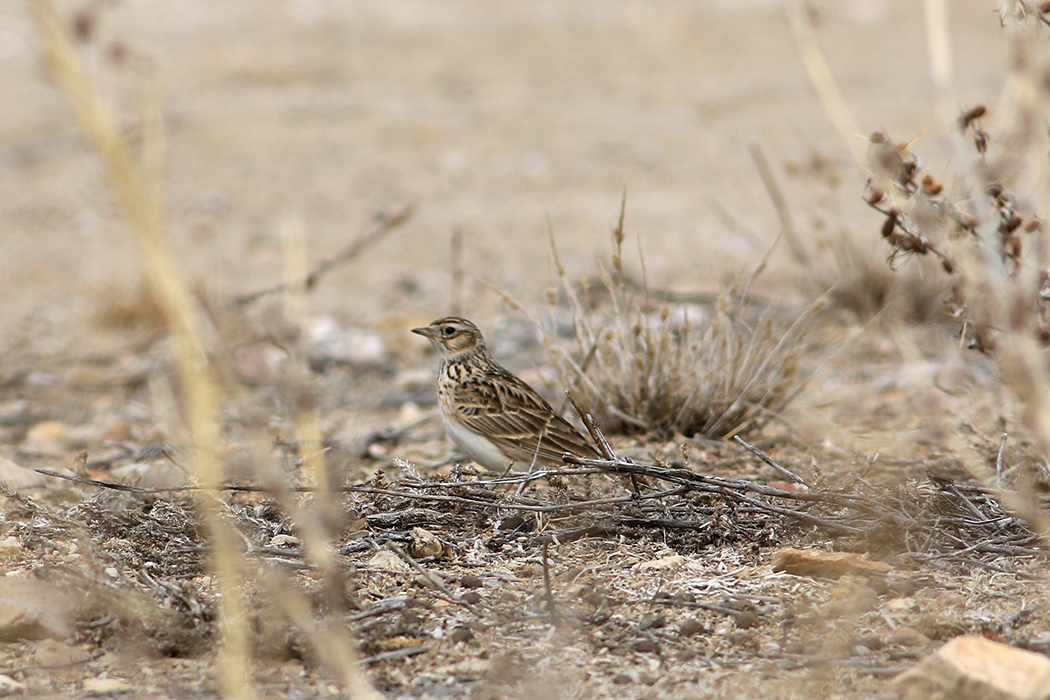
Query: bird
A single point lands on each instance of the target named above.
(492, 415)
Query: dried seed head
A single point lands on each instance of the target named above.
(875, 195)
(930, 186)
(1044, 7)
(971, 114)
(1033, 225)
(877, 137)
(83, 26)
(980, 140)
(907, 172)
(890, 223)
(1010, 224)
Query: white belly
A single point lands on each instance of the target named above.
(477, 447)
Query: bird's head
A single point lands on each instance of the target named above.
(453, 336)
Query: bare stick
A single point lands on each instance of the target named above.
(457, 271)
(385, 223)
(548, 592)
(999, 462)
(592, 427)
(780, 204)
(765, 458)
(599, 437)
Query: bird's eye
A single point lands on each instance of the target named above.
(448, 331)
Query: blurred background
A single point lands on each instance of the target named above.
(494, 119)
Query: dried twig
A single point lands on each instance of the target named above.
(435, 583)
(999, 461)
(385, 223)
(765, 458)
(548, 591)
(787, 226)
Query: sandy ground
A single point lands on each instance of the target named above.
(495, 121)
(491, 118)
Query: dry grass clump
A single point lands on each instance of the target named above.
(860, 283)
(661, 368)
(848, 269)
(983, 226)
(133, 171)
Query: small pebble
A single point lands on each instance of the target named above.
(106, 686)
(461, 634)
(908, 637)
(747, 619)
(646, 646)
(690, 627)
(9, 686)
(871, 641)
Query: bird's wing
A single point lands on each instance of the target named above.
(512, 415)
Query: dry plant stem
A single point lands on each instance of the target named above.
(182, 316)
(599, 439)
(457, 271)
(548, 592)
(731, 488)
(394, 655)
(999, 461)
(766, 458)
(592, 427)
(387, 221)
(823, 81)
(332, 646)
(307, 421)
(319, 524)
(787, 226)
(1019, 355)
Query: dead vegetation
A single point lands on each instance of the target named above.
(465, 562)
(558, 582)
(642, 365)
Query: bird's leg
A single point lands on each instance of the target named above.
(535, 457)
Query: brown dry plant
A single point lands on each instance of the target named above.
(136, 182)
(643, 366)
(982, 226)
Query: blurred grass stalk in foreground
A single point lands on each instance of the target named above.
(139, 194)
(998, 293)
(141, 205)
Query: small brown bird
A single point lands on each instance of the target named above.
(496, 418)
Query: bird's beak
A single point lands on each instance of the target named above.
(425, 331)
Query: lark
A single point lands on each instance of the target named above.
(492, 415)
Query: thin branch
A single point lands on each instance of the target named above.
(548, 591)
(765, 458)
(385, 223)
(798, 250)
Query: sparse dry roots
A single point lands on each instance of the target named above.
(155, 545)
